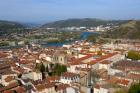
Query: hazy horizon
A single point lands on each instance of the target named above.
(42, 11)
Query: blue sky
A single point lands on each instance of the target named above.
(51, 10)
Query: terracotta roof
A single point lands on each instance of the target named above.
(26, 61)
(116, 80)
(20, 70)
(128, 64)
(123, 81)
(4, 66)
(50, 85)
(92, 62)
(9, 78)
(105, 62)
(53, 78)
(76, 63)
(102, 58)
(40, 87)
(133, 76)
(20, 89)
(61, 87)
(83, 69)
(8, 91)
(81, 59)
(69, 74)
(10, 86)
(113, 80)
(2, 55)
(85, 57)
(39, 82)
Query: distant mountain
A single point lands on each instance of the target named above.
(88, 22)
(32, 25)
(129, 30)
(7, 27)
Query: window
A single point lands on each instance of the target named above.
(61, 59)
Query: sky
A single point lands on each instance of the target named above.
(51, 10)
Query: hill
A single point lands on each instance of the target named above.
(129, 30)
(88, 22)
(8, 27)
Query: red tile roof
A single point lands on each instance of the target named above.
(133, 76)
(18, 69)
(50, 85)
(102, 58)
(105, 62)
(8, 91)
(69, 74)
(77, 63)
(40, 87)
(83, 69)
(9, 78)
(10, 86)
(2, 55)
(20, 89)
(85, 57)
(61, 87)
(79, 60)
(53, 78)
(123, 82)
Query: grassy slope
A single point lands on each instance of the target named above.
(129, 30)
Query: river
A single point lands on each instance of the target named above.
(83, 36)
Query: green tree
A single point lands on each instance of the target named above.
(121, 91)
(134, 88)
(37, 66)
(58, 69)
(51, 65)
(47, 69)
(133, 55)
(101, 41)
(63, 68)
(4, 43)
(42, 70)
(91, 38)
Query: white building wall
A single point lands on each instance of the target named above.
(104, 66)
(96, 90)
(69, 80)
(101, 90)
(70, 90)
(33, 75)
(113, 71)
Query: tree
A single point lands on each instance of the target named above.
(20, 75)
(99, 53)
(58, 69)
(134, 88)
(47, 69)
(42, 70)
(63, 68)
(121, 91)
(91, 38)
(37, 66)
(51, 65)
(133, 55)
(101, 41)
